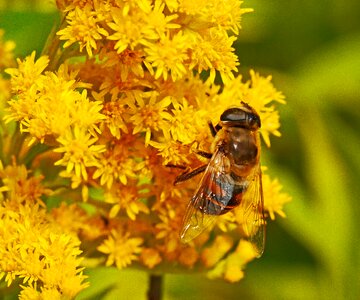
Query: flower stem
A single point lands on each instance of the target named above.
(155, 287)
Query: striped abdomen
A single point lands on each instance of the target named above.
(222, 194)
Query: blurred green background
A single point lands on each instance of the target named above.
(312, 49)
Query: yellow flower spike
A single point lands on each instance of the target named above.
(130, 116)
(35, 107)
(33, 248)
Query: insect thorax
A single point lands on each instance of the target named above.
(241, 146)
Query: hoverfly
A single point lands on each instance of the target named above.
(231, 179)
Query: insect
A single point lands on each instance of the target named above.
(232, 178)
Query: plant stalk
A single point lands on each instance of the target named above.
(155, 287)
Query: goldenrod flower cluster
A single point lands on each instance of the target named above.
(99, 119)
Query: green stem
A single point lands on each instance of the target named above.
(17, 143)
(52, 46)
(155, 287)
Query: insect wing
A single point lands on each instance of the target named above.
(253, 209)
(208, 201)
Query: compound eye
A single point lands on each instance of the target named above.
(254, 121)
(233, 115)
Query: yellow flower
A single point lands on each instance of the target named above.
(168, 230)
(130, 62)
(231, 267)
(211, 255)
(150, 257)
(157, 22)
(180, 128)
(27, 72)
(35, 107)
(128, 28)
(167, 56)
(34, 249)
(83, 28)
(76, 221)
(79, 152)
(274, 198)
(148, 113)
(118, 163)
(188, 257)
(19, 187)
(215, 52)
(114, 113)
(127, 197)
(31, 292)
(121, 249)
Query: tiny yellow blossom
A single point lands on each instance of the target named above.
(148, 114)
(274, 198)
(171, 151)
(128, 28)
(121, 249)
(127, 197)
(167, 56)
(75, 220)
(188, 257)
(28, 71)
(79, 152)
(150, 257)
(211, 255)
(20, 187)
(117, 163)
(82, 27)
(231, 267)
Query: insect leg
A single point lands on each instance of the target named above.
(204, 154)
(212, 129)
(176, 166)
(187, 175)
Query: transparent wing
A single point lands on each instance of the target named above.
(253, 208)
(210, 199)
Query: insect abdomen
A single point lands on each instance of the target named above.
(222, 196)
